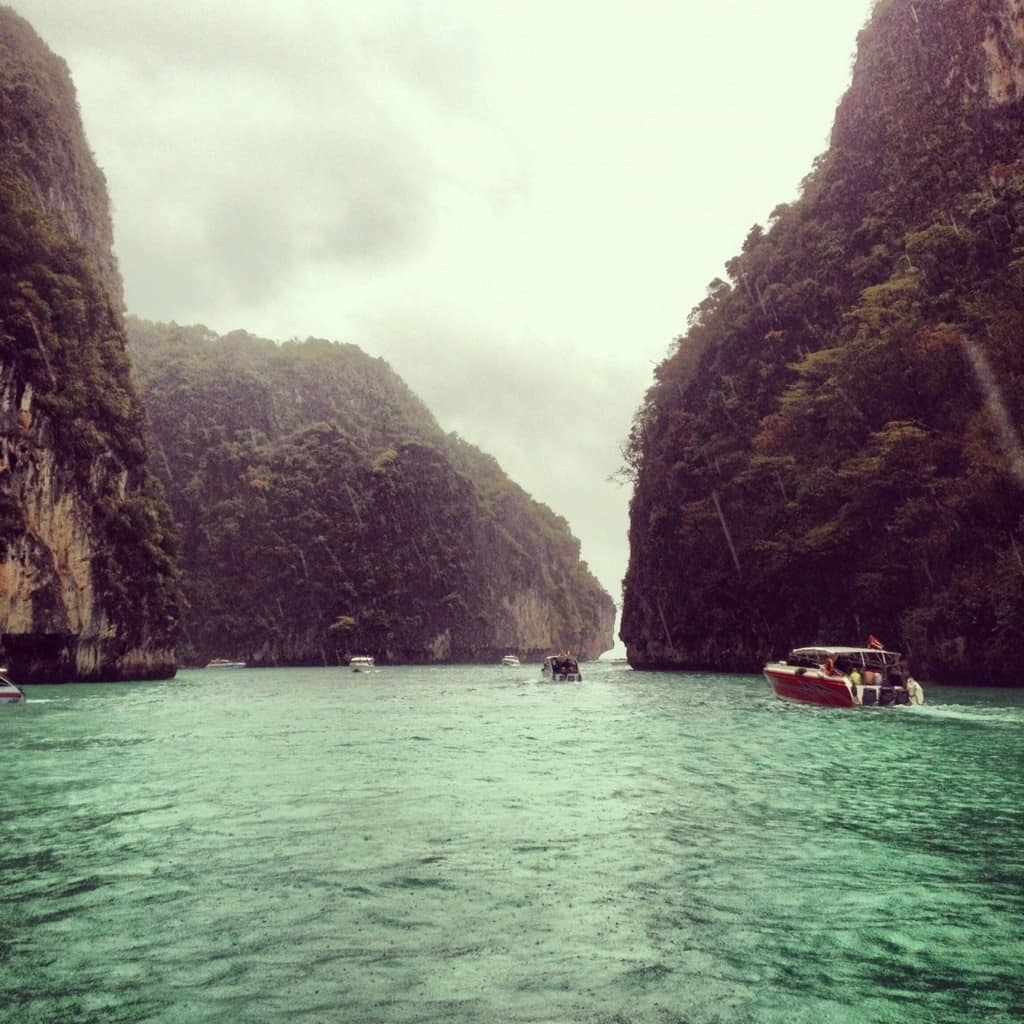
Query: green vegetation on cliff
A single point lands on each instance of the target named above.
(832, 447)
(324, 513)
(68, 398)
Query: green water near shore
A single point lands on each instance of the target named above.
(466, 844)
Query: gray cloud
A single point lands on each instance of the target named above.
(254, 147)
(516, 204)
(554, 412)
(303, 42)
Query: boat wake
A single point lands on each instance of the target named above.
(997, 717)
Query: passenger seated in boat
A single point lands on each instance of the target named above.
(855, 677)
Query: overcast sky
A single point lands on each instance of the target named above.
(516, 204)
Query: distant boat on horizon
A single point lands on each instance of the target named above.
(510, 661)
(225, 663)
(362, 663)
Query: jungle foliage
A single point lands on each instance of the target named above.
(832, 448)
(324, 512)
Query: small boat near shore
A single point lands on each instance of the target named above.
(510, 661)
(845, 677)
(561, 668)
(225, 663)
(361, 663)
(10, 692)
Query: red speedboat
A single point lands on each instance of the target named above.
(844, 677)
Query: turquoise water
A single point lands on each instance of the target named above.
(469, 845)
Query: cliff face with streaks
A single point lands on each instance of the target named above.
(87, 579)
(833, 447)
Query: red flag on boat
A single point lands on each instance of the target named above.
(875, 643)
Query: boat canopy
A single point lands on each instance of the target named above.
(560, 665)
(869, 657)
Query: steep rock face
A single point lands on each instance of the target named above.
(324, 513)
(43, 135)
(833, 447)
(1004, 70)
(87, 581)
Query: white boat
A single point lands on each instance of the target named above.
(10, 693)
(510, 661)
(845, 677)
(561, 668)
(225, 663)
(361, 663)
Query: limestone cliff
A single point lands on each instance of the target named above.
(324, 513)
(87, 579)
(832, 448)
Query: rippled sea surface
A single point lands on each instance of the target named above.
(470, 845)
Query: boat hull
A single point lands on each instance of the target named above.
(810, 686)
(9, 695)
(815, 687)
